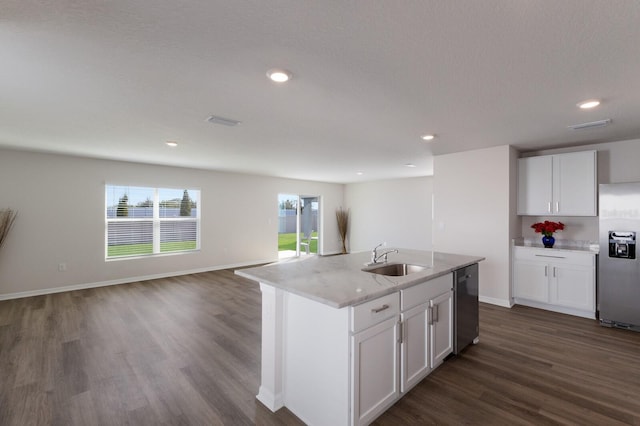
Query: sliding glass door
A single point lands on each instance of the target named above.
(298, 220)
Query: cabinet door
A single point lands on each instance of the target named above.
(441, 329)
(374, 370)
(573, 286)
(530, 280)
(415, 346)
(535, 185)
(574, 184)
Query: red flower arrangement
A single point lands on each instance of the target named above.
(547, 228)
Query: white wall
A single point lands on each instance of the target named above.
(474, 213)
(617, 162)
(397, 211)
(61, 204)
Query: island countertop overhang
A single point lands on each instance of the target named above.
(339, 281)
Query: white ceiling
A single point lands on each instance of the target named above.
(116, 79)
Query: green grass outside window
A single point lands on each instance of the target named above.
(288, 242)
(143, 249)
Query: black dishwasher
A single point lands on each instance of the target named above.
(465, 314)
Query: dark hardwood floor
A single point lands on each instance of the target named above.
(186, 351)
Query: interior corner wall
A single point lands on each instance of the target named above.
(395, 211)
(473, 209)
(515, 221)
(61, 219)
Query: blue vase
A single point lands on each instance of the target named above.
(548, 241)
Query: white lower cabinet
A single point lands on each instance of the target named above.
(392, 356)
(572, 286)
(553, 279)
(347, 366)
(441, 328)
(375, 370)
(531, 280)
(375, 337)
(415, 346)
(427, 328)
(427, 338)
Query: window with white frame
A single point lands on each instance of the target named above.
(142, 221)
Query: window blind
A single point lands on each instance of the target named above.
(146, 221)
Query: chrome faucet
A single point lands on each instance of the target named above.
(375, 256)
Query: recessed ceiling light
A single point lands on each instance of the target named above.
(359, 173)
(428, 137)
(279, 75)
(172, 144)
(410, 165)
(590, 103)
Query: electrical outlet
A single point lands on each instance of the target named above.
(62, 267)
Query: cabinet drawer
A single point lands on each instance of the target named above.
(370, 313)
(554, 256)
(420, 293)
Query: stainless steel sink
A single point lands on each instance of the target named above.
(395, 269)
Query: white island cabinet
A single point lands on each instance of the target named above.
(340, 345)
(374, 383)
(427, 328)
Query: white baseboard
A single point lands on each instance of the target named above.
(560, 309)
(269, 400)
(127, 280)
(331, 253)
(493, 301)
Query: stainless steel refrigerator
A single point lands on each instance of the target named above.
(618, 264)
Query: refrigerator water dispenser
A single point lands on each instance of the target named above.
(622, 244)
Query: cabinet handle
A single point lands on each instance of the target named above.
(545, 255)
(554, 272)
(557, 207)
(401, 333)
(430, 315)
(380, 309)
(436, 313)
(545, 270)
(549, 207)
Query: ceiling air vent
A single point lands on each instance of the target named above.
(214, 119)
(590, 125)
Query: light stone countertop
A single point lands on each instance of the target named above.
(339, 281)
(560, 245)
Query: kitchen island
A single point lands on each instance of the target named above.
(340, 344)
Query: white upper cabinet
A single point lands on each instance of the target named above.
(561, 185)
(535, 185)
(575, 184)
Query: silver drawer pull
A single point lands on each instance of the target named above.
(380, 309)
(546, 255)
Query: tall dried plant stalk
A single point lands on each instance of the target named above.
(7, 217)
(342, 216)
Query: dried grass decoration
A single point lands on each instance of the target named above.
(342, 216)
(7, 217)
